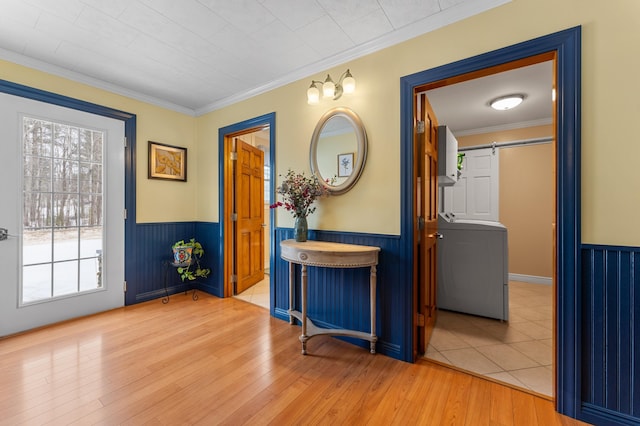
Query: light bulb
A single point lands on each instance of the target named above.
(328, 88)
(506, 102)
(349, 84)
(313, 95)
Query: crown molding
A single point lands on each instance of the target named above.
(39, 65)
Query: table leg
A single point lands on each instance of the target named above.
(303, 296)
(372, 285)
(291, 293)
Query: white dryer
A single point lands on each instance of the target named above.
(473, 272)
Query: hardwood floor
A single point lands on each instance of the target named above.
(225, 361)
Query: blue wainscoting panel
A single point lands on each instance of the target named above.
(153, 249)
(610, 334)
(340, 297)
(208, 233)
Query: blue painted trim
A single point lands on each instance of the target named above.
(263, 120)
(130, 164)
(603, 417)
(567, 45)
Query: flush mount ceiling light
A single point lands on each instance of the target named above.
(346, 84)
(504, 103)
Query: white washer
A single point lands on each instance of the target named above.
(473, 272)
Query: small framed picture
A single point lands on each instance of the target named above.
(345, 164)
(167, 162)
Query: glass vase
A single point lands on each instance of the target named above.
(300, 229)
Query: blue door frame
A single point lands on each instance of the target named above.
(261, 121)
(567, 46)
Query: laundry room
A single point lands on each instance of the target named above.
(496, 226)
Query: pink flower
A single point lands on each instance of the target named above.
(299, 193)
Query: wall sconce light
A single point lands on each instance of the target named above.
(504, 103)
(346, 84)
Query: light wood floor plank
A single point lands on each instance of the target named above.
(224, 361)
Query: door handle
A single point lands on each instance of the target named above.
(436, 235)
(4, 234)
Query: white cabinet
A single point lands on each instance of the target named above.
(447, 157)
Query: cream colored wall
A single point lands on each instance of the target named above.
(610, 200)
(157, 200)
(527, 192)
(295, 121)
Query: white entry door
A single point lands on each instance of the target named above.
(63, 209)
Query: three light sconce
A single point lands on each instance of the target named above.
(346, 84)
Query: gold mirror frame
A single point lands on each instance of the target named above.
(358, 161)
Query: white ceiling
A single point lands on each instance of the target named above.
(464, 107)
(195, 56)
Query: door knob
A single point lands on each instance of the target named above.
(437, 235)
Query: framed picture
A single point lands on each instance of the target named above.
(345, 164)
(167, 162)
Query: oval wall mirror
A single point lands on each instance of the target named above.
(338, 150)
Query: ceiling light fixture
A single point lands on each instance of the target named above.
(346, 84)
(504, 103)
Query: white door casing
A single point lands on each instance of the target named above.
(15, 316)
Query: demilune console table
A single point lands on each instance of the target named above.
(328, 255)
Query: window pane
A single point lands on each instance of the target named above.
(66, 175)
(37, 210)
(90, 178)
(90, 241)
(65, 278)
(36, 282)
(36, 246)
(65, 141)
(65, 210)
(65, 244)
(97, 141)
(89, 279)
(37, 174)
(91, 210)
(37, 136)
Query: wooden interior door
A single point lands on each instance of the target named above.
(426, 234)
(249, 200)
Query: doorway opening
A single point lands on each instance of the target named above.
(565, 48)
(246, 156)
(257, 290)
(519, 351)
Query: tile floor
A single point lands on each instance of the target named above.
(518, 352)
(258, 294)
